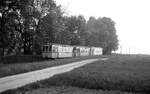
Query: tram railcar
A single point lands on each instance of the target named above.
(52, 50)
(96, 51)
(76, 51)
(84, 51)
(57, 51)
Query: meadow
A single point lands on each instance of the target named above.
(8, 69)
(120, 74)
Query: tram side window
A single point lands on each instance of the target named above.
(45, 48)
(54, 49)
(50, 48)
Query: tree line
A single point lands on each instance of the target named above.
(25, 25)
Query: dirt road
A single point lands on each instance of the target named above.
(19, 80)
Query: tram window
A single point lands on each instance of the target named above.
(54, 49)
(62, 49)
(50, 48)
(43, 48)
(46, 48)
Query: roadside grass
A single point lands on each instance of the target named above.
(67, 90)
(125, 73)
(17, 68)
(20, 59)
(119, 73)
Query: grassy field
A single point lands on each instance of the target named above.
(66, 90)
(16, 68)
(118, 75)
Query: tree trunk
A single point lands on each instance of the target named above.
(1, 54)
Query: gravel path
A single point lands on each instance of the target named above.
(15, 81)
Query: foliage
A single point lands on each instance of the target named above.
(10, 30)
(11, 65)
(75, 25)
(20, 23)
(26, 24)
(52, 24)
(102, 33)
(128, 73)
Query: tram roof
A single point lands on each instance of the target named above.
(69, 45)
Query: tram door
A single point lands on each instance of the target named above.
(74, 51)
(54, 51)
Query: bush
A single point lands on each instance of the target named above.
(21, 58)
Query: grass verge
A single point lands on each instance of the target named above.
(16, 68)
(66, 90)
(119, 73)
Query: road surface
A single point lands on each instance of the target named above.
(15, 81)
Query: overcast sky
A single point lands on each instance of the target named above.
(132, 19)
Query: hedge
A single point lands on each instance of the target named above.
(20, 58)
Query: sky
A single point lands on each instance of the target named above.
(132, 18)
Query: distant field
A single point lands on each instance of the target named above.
(118, 75)
(72, 90)
(16, 68)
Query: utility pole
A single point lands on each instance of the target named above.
(129, 51)
(120, 49)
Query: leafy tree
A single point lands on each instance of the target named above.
(10, 28)
(76, 26)
(20, 22)
(28, 23)
(52, 25)
(102, 32)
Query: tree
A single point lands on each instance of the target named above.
(76, 26)
(10, 28)
(21, 22)
(28, 24)
(102, 32)
(52, 25)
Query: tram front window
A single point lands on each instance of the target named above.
(45, 48)
(50, 48)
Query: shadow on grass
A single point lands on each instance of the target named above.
(88, 83)
(96, 83)
(87, 77)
